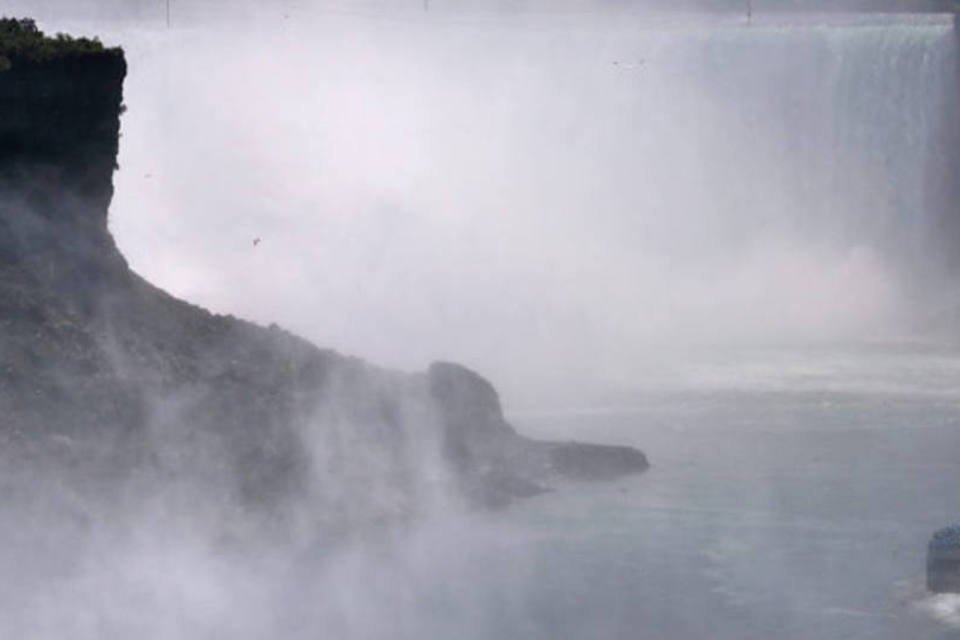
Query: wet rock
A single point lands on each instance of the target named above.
(500, 463)
(943, 561)
(582, 461)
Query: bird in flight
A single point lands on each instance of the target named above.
(256, 241)
(628, 65)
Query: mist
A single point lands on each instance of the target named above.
(547, 196)
(719, 237)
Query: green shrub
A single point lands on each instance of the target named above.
(22, 41)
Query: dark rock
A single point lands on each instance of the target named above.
(499, 464)
(943, 561)
(473, 425)
(596, 462)
(496, 490)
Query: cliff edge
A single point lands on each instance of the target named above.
(107, 380)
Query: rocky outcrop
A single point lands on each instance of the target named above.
(104, 374)
(494, 461)
(943, 561)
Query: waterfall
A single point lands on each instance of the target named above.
(826, 130)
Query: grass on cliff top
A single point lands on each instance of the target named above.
(21, 40)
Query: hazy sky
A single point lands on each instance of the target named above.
(558, 200)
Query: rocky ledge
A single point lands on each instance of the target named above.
(106, 376)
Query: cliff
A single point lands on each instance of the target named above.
(106, 380)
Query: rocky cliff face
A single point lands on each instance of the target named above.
(110, 381)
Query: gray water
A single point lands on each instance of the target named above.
(791, 496)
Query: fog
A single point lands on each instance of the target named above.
(550, 196)
(584, 202)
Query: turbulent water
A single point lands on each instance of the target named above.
(842, 120)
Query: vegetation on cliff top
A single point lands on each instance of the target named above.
(22, 41)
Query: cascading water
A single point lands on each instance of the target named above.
(839, 120)
(816, 130)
